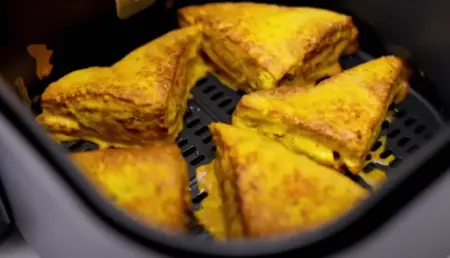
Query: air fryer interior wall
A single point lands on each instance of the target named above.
(84, 33)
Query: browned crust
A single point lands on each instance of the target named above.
(324, 43)
(137, 96)
(352, 140)
(159, 164)
(150, 117)
(250, 183)
(223, 148)
(196, 15)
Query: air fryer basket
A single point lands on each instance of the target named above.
(104, 39)
(415, 121)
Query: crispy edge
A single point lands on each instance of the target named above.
(187, 17)
(167, 150)
(396, 93)
(175, 94)
(220, 133)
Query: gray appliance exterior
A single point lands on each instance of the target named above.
(15, 247)
(56, 223)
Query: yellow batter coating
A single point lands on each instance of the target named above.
(260, 46)
(139, 99)
(150, 184)
(269, 191)
(210, 214)
(336, 122)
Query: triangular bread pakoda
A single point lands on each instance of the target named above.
(336, 122)
(210, 214)
(268, 191)
(260, 46)
(139, 99)
(150, 184)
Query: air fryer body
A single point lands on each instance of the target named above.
(58, 223)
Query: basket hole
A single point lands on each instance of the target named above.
(359, 180)
(88, 146)
(188, 114)
(369, 167)
(207, 139)
(197, 160)
(68, 145)
(393, 133)
(199, 197)
(214, 148)
(79, 146)
(225, 103)
(217, 96)
(240, 93)
(412, 148)
(368, 157)
(410, 121)
(419, 129)
(209, 89)
(395, 162)
(403, 141)
(385, 125)
(401, 113)
(201, 131)
(386, 154)
(189, 151)
(336, 155)
(376, 146)
(322, 79)
(230, 111)
(193, 123)
(202, 81)
(182, 143)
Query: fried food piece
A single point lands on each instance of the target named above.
(336, 122)
(127, 8)
(269, 191)
(259, 46)
(42, 55)
(141, 98)
(150, 184)
(210, 213)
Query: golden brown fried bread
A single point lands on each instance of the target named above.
(210, 213)
(259, 46)
(269, 191)
(139, 99)
(336, 122)
(150, 184)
